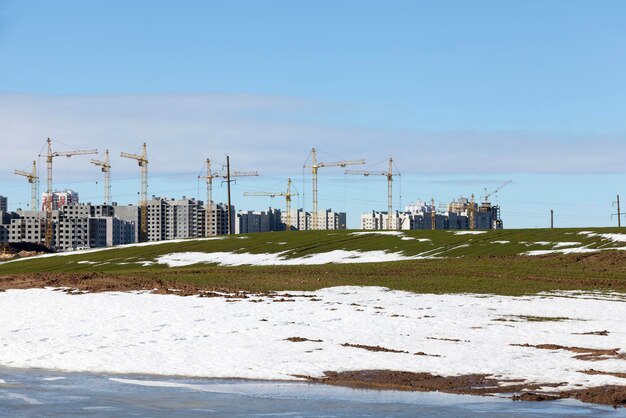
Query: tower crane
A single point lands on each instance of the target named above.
(389, 173)
(314, 168)
(210, 175)
(49, 156)
(472, 213)
(433, 215)
(142, 161)
(106, 169)
(33, 179)
(287, 195)
(497, 189)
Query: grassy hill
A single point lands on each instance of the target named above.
(432, 261)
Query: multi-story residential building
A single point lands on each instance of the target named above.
(255, 221)
(30, 226)
(217, 224)
(4, 204)
(5, 224)
(73, 227)
(59, 198)
(327, 220)
(172, 219)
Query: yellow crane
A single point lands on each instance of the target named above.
(49, 156)
(315, 165)
(142, 161)
(209, 176)
(287, 196)
(33, 179)
(389, 174)
(105, 166)
(433, 215)
(472, 213)
(486, 194)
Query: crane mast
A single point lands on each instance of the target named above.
(472, 214)
(49, 157)
(314, 168)
(389, 174)
(33, 179)
(142, 161)
(287, 196)
(106, 169)
(433, 215)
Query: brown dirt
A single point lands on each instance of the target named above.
(596, 372)
(374, 348)
(101, 282)
(590, 354)
(475, 384)
(601, 333)
(301, 339)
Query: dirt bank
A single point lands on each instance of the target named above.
(474, 384)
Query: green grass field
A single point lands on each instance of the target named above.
(490, 262)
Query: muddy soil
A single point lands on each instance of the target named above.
(475, 384)
(590, 354)
(101, 282)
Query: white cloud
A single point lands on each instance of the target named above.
(273, 135)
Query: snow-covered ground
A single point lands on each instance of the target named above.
(229, 337)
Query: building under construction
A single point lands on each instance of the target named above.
(461, 213)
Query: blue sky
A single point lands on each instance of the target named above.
(464, 95)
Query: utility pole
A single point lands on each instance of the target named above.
(210, 175)
(314, 168)
(106, 169)
(389, 174)
(33, 179)
(49, 156)
(619, 213)
(551, 218)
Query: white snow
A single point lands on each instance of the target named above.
(575, 250)
(214, 337)
(610, 237)
(397, 233)
(275, 259)
(469, 232)
(500, 242)
(566, 244)
(93, 250)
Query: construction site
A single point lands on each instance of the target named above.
(63, 223)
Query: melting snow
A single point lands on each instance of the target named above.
(271, 259)
(566, 244)
(468, 232)
(397, 233)
(214, 337)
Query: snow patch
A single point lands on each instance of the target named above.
(566, 244)
(147, 333)
(468, 232)
(397, 233)
(276, 259)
